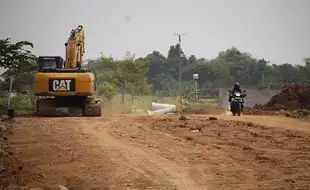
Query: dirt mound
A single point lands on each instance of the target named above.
(293, 101)
(292, 97)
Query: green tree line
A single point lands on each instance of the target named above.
(158, 74)
(228, 67)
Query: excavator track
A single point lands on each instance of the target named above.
(46, 107)
(92, 107)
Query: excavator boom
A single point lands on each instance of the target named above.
(75, 48)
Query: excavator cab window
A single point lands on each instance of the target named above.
(50, 63)
(56, 64)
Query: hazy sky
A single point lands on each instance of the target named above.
(277, 30)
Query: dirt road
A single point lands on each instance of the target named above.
(163, 152)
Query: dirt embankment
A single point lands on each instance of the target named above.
(293, 101)
(10, 166)
(292, 97)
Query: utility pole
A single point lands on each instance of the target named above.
(180, 64)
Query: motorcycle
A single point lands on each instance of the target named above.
(236, 102)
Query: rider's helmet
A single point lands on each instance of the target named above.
(237, 85)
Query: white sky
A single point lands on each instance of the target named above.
(277, 30)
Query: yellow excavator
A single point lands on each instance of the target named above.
(60, 83)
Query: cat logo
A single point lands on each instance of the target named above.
(62, 85)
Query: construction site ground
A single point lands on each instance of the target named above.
(159, 152)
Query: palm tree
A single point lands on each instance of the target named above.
(174, 51)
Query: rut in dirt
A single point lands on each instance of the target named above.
(162, 152)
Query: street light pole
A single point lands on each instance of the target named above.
(196, 77)
(180, 64)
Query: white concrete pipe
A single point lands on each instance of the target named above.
(162, 108)
(158, 106)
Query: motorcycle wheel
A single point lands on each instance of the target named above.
(239, 109)
(233, 109)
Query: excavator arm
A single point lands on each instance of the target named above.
(75, 48)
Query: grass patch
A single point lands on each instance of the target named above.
(22, 104)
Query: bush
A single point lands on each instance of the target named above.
(23, 103)
(107, 90)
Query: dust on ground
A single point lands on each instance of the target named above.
(162, 152)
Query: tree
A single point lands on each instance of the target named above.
(19, 63)
(155, 61)
(162, 73)
(107, 90)
(168, 84)
(14, 56)
(135, 81)
(128, 75)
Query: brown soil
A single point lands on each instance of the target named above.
(2, 112)
(257, 111)
(206, 110)
(160, 152)
(10, 166)
(293, 101)
(292, 97)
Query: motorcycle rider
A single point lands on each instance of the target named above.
(236, 88)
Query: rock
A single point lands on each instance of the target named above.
(250, 124)
(3, 169)
(3, 128)
(195, 130)
(212, 118)
(282, 111)
(61, 187)
(288, 114)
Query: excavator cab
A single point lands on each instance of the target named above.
(50, 62)
(57, 64)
